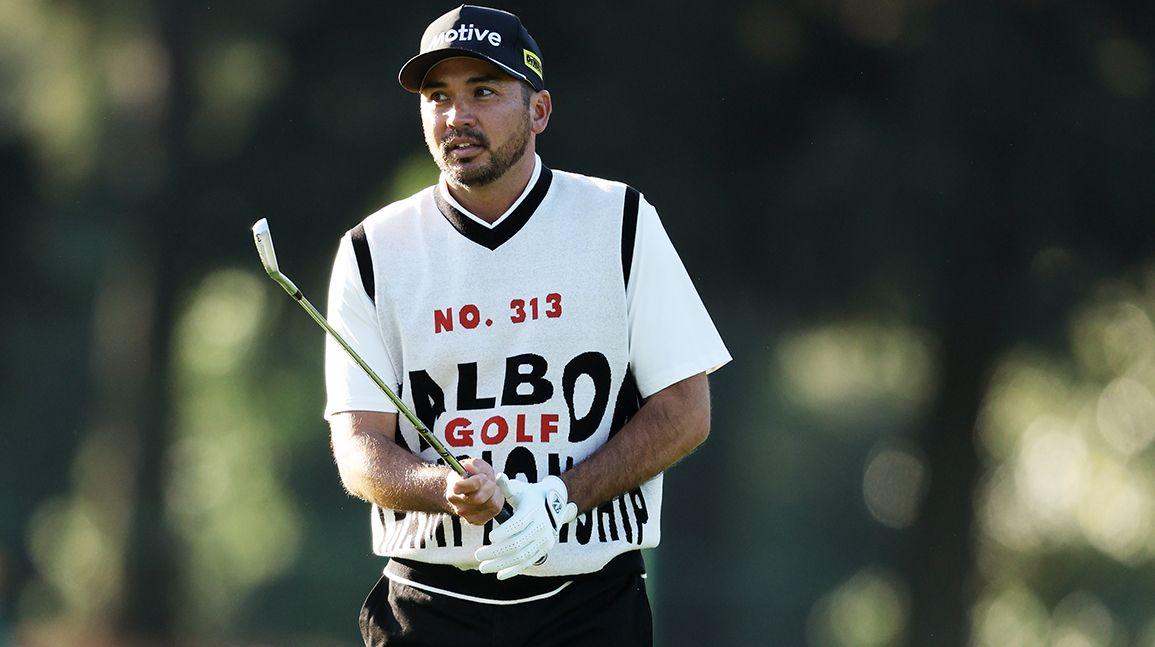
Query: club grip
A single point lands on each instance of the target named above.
(505, 514)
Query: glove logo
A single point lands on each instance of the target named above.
(555, 503)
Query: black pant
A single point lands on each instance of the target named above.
(602, 612)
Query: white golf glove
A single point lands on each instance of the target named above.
(524, 540)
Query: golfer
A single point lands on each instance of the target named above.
(542, 326)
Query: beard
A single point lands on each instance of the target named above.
(500, 160)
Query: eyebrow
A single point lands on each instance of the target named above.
(482, 78)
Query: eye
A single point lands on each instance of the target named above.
(483, 92)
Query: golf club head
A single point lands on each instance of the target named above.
(264, 240)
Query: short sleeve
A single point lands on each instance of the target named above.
(671, 335)
(353, 315)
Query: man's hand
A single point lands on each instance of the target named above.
(476, 499)
(539, 512)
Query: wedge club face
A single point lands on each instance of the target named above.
(264, 241)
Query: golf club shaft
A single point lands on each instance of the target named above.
(506, 510)
(414, 420)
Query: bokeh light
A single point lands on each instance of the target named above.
(226, 492)
(870, 609)
(1126, 415)
(893, 485)
(1069, 476)
(857, 372)
(1010, 616)
(1125, 66)
(235, 78)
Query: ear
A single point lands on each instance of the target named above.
(540, 108)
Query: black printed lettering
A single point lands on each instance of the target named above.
(606, 511)
(540, 389)
(585, 527)
(467, 389)
(456, 523)
(638, 501)
(626, 526)
(597, 367)
(521, 463)
(428, 401)
(439, 531)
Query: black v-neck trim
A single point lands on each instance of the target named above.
(495, 237)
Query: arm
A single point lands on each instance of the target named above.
(374, 468)
(669, 328)
(670, 424)
(363, 422)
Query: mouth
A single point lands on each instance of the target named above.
(465, 151)
(463, 148)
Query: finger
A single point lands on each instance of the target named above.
(476, 514)
(457, 500)
(503, 548)
(471, 484)
(519, 560)
(461, 504)
(503, 483)
(513, 489)
(470, 502)
(476, 518)
(513, 571)
(483, 493)
(478, 466)
(496, 496)
(531, 555)
(492, 552)
(471, 465)
(515, 525)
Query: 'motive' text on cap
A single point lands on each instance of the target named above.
(490, 34)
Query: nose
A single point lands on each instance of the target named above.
(459, 115)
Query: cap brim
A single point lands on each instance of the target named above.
(412, 74)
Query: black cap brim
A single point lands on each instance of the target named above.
(412, 74)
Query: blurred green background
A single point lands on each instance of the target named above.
(925, 230)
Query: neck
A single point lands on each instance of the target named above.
(490, 201)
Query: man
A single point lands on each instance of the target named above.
(542, 325)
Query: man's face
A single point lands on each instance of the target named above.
(476, 120)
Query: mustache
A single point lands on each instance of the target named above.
(466, 133)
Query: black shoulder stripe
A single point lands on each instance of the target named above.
(629, 230)
(364, 259)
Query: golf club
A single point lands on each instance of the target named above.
(264, 241)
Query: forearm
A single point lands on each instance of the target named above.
(668, 426)
(374, 468)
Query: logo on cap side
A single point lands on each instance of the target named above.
(533, 63)
(464, 33)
